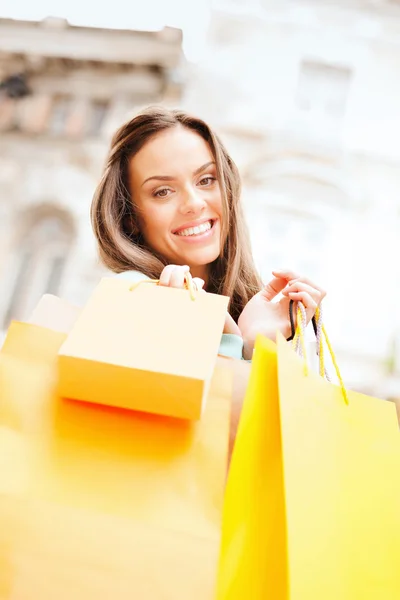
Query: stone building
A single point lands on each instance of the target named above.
(306, 94)
(63, 91)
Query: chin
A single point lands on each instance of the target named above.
(200, 259)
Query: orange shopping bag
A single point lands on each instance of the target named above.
(145, 347)
(100, 502)
(313, 495)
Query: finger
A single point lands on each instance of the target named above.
(310, 283)
(198, 283)
(273, 288)
(300, 286)
(166, 275)
(177, 279)
(287, 274)
(309, 303)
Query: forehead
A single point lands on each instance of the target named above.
(171, 152)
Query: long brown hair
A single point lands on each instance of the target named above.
(113, 210)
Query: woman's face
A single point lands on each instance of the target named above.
(174, 186)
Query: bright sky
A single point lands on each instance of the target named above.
(192, 16)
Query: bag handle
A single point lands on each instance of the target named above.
(190, 285)
(298, 342)
(300, 348)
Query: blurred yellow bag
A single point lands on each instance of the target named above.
(144, 347)
(99, 502)
(312, 505)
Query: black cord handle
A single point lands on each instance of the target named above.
(292, 325)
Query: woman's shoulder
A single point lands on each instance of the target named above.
(133, 276)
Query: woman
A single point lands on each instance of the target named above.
(169, 202)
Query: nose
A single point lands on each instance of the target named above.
(193, 201)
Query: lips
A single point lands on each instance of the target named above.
(195, 228)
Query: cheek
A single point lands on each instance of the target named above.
(156, 221)
(216, 201)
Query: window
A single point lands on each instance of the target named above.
(59, 116)
(77, 116)
(323, 88)
(98, 111)
(39, 264)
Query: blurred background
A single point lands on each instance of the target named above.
(306, 96)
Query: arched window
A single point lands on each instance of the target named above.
(38, 261)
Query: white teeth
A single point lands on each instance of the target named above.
(196, 230)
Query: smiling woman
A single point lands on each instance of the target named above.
(169, 202)
(178, 211)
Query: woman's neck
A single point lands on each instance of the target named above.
(202, 272)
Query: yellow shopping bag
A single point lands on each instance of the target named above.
(313, 495)
(100, 502)
(144, 347)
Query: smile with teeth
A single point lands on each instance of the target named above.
(196, 230)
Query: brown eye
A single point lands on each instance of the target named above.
(206, 181)
(162, 193)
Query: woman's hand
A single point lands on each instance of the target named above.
(174, 276)
(261, 315)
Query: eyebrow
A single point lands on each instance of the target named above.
(168, 178)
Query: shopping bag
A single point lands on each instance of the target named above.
(144, 347)
(312, 500)
(252, 557)
(54, 313)
(101, 502)
(342, 487)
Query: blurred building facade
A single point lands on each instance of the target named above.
(63, 92)
(306, 95)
